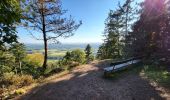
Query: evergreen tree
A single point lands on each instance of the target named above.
(7, 62)
(67, 56)
(101, 53)
(113, 35)
(129, 15)
(112, 46)
(19, 52)
(46, 16)
(88, 52)
(149, 31)
(118, 25)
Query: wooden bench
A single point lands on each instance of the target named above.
(120, 65)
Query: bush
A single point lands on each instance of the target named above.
(91, 58)
(7, 62)
(31, 69)
(78, 56)
(16, 80)
(5, 69)
(72, 59)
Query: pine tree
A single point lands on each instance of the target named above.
(101, 53)
(146, 38)
(19, 52)
(129, 15)
(111, 47)
(46, 17)
(118, 25)
(88, 52)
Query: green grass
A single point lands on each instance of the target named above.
(158, 74)
(133, 69)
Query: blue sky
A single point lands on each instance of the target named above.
(92, 13)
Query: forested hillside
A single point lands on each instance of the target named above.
(131, 31)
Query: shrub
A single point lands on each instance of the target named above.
(31, 69)
(5, 69)
(72, 59)
(7, 62)
(16, 80)
(78, 56)
(6, 78)
(91, 58)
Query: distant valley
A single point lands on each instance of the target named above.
(57, 51)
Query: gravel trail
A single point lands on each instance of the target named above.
(86, 83)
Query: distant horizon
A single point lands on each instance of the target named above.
(67, 43)
(62, 46)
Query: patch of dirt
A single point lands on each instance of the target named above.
(86, 83)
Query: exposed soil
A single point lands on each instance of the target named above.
(86, 83)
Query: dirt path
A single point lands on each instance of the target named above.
(86, 83)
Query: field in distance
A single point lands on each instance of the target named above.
(57, 51)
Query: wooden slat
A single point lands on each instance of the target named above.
(119, 65)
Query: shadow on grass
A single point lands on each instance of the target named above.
(89, 85)
(158, 74)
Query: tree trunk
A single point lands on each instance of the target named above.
(20, 66)
(45, 54)
(45, 39)
(16, 72)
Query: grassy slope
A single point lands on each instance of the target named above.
(156, 74)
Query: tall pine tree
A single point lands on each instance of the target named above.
(89, 53)
(46, 17)
(117, 26)
(149, 35)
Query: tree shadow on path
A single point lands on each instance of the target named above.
(87, 84)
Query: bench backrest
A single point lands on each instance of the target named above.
(124, 61)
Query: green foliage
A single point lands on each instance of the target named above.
(31, 69)
(72, 59)
(78, 56)
(101, 54)
(111, 48)
(151, 32)
(10, 15)
(67, 57)
(19, 52)
(15, 60)
(48, 20)
(89, 53)
(7, 62)
(117, 26)
(157, 74)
